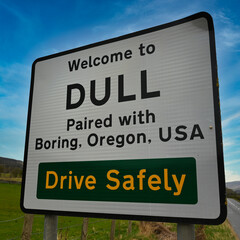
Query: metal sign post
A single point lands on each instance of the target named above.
(185, 231)
(50, 227)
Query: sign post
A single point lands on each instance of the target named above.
(185, 231)
(128, 128)
(50, 227)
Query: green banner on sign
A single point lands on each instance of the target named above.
(171, 180)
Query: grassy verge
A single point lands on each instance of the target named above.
(9, 209)
(6, 177)
(237, 198)
(11, 180)
(210, 232)
(220, 232)
(12, 218)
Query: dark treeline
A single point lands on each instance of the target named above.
(11, 167)
(233, 194)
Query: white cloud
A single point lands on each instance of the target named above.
(155, 13)
(232, 162)
(232, 154)
(24, 23)
(232, 175)
(14, 81)
(13, 106)
(14, 11)
(11, 111)
(230, 103)
(221, 17)
(228, 142)
(228, 32)
(15, 73)
(228, 120)
(230, 37)
(12, 143)
(49, 51)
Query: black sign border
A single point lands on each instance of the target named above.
(218, 131)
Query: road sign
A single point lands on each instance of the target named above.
(128, 128)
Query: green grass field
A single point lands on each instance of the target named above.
(70, 227)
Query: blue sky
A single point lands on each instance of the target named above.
(32, 29)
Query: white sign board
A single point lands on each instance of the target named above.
(128, 128)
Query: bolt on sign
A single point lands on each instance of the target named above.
(128, 128)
